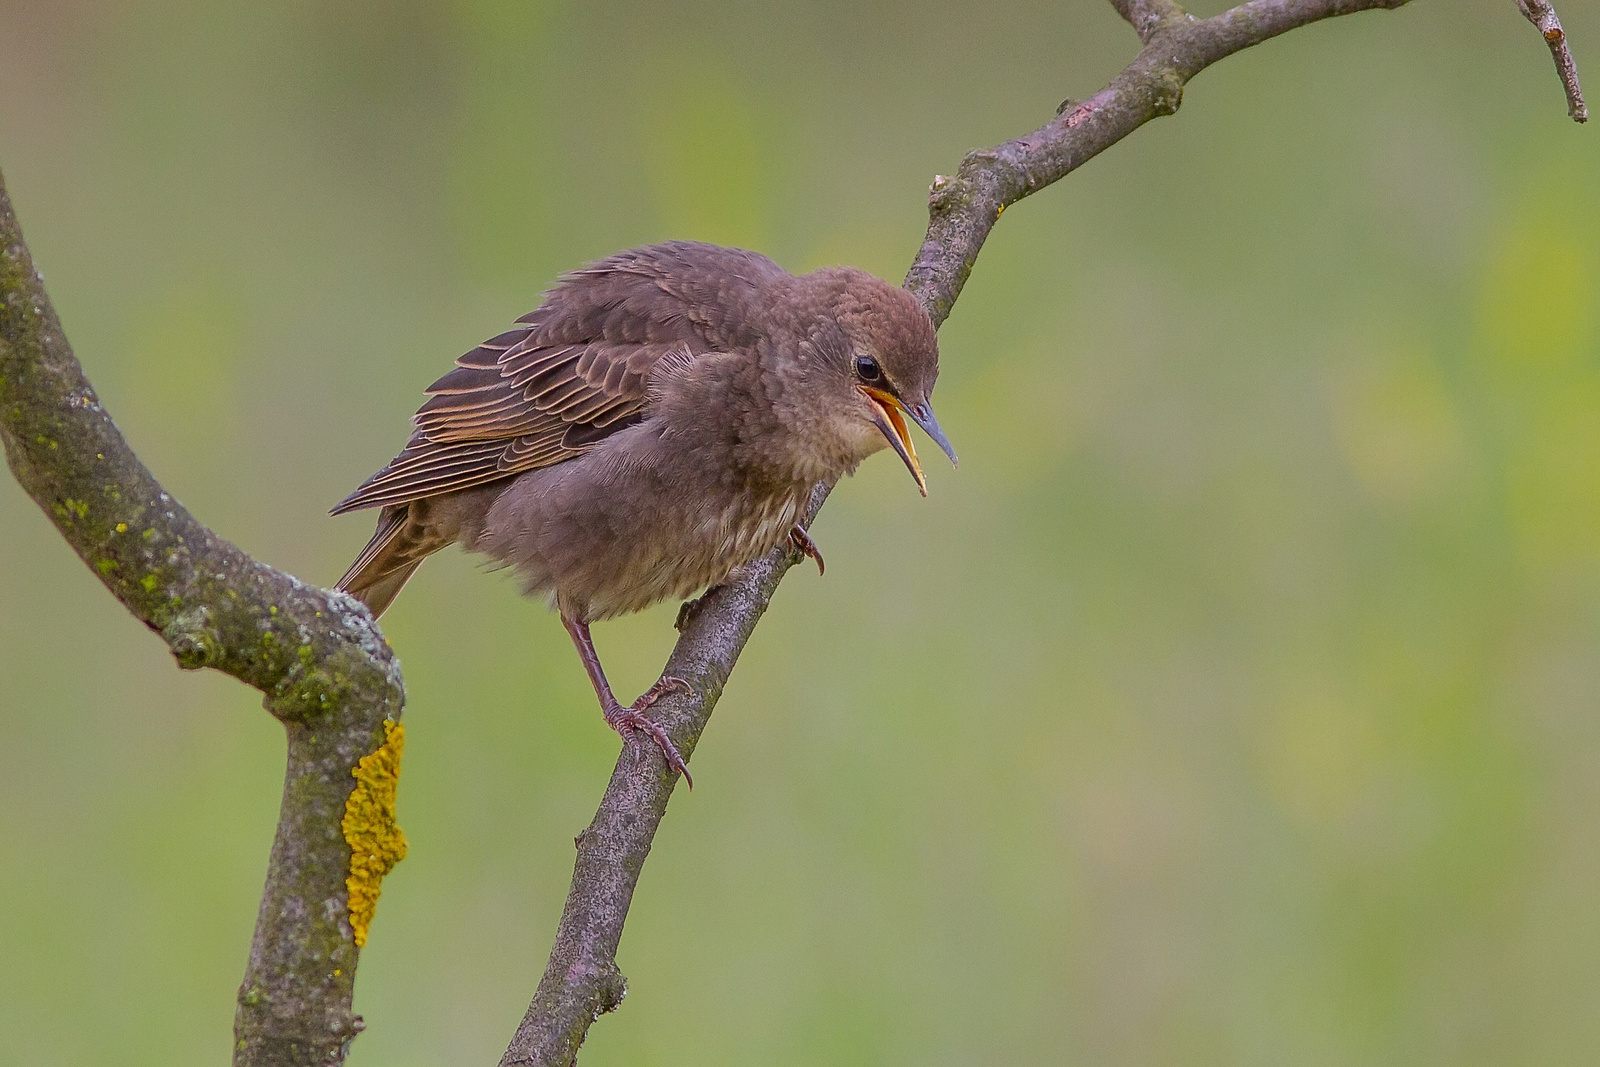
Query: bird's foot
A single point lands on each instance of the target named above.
(802, 543)
(623, 719)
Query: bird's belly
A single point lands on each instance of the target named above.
(644, 539)
(676, 558)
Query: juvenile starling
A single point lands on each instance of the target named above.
(659, 420)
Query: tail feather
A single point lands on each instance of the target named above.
(396, 550)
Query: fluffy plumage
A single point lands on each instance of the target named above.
(659, 420)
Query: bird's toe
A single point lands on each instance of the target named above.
(667, 683)
(636, 720)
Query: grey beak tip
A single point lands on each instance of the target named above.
(923, 415)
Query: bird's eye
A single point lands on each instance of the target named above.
(867, 369)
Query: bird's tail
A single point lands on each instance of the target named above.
(396, 550)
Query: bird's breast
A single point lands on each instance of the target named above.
(691, 545)
(636, 522)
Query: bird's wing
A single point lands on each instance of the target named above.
(572, 372)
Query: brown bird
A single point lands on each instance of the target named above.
(659, 420)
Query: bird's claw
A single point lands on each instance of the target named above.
(664, 685)
(633, 719)
(802, 543)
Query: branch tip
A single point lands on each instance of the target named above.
(1543, 16)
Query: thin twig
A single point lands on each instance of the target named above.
(581, 980)
(326, 671)
(1543, 16)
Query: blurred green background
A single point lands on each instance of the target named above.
(1234, 703)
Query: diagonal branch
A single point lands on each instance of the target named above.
(581, 980)
(1543, 16)
(326, 671)
(964, 208)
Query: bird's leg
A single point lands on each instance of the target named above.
(801, 540)
(623, 719)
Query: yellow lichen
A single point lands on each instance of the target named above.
(376, 843)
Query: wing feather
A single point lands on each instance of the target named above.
(574, 370)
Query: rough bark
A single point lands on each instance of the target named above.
(325, 669)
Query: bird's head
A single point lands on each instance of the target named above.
(881, 367)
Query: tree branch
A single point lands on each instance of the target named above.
(581, 980)
(331, 679)
(326, 671)
(1543, 16)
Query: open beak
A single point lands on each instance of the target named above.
(886, 410)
